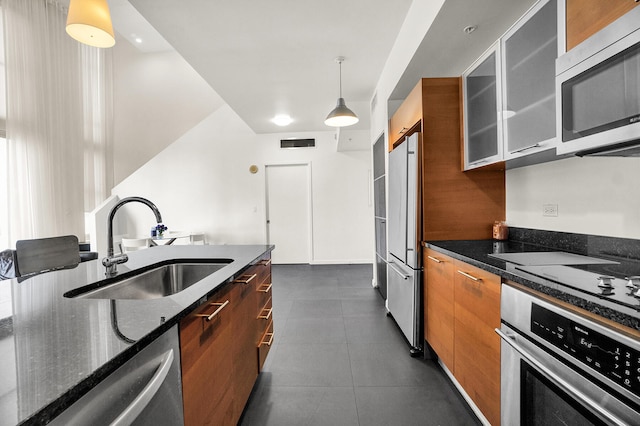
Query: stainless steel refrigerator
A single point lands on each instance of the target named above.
(404, 290)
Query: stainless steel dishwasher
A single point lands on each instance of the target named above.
(146, 390)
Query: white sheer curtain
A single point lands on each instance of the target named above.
(58, 122)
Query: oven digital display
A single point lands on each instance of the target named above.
(612, 359)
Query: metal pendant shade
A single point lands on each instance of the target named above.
(89, 22)
(341, 116)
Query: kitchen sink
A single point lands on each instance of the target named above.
(152, 282)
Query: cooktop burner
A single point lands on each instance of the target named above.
(601, 283)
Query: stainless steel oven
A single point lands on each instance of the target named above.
(559, 368)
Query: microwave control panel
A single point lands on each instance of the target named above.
(612, 359)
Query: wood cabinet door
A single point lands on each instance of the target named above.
(438, 303)
(407, 116)
(477, 346)
(205, 340)
(245, 363)
(587, 17)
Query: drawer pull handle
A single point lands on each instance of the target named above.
(264, 288)
(220, 306)
(265, 262)
(471, 277)
(245, 280)
(270, 337)
(435, 259)
(267, 315)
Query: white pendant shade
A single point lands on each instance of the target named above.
(89, 22)
(341, 116)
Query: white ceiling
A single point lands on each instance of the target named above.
(277, 57)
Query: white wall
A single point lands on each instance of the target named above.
(157, 98)
(202, 183)
(599, 196)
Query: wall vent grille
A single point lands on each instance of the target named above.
(297, 143)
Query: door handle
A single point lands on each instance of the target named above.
(399, 272)
(142, 400)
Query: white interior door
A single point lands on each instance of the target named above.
(288, 212)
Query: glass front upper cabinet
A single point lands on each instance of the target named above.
(482, 102)
(529, 52)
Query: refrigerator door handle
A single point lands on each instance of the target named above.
(399, 272)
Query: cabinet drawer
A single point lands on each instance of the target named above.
(477, 346)
(205, 342)
(264, 345)
(438, 295)
(263, 292)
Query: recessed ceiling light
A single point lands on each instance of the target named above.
(282, 120)
(470, 29)
(138, 40)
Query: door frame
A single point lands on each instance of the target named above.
(308, 165)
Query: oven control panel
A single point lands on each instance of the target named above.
(610, 358)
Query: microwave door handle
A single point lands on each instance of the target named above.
(561, 383)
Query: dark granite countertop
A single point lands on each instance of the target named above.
(54, 349)
(476, 253)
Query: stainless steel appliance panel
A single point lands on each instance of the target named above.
(598, 91)
(397, 216)
(146, 390)
(558, 365)
(403, 286)
(412, 202)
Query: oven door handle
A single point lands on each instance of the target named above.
(564, 385)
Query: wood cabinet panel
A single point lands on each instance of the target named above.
(477, 346)
(245, 366)
(456, 205)
(438, 303)
(587, 17)
(207, 385)
(220, 362)
(406, 117)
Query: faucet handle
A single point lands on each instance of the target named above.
(111, 263)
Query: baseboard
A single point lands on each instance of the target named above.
(342, 262)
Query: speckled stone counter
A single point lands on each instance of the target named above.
(624, 251)
(53, 349)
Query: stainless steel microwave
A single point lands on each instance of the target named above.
(598, 92)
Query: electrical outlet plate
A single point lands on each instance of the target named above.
(550, 210)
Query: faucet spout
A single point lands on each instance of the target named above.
(111, 261)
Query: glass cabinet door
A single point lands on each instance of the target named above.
(529, 52)
(483, 136)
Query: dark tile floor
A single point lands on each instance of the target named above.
(338, 360)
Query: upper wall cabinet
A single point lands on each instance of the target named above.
(509, 92)
(406, 118)
(482, 102)
(587, 17)
(529, 50)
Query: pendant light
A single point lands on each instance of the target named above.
(341, 116)
(89, 22)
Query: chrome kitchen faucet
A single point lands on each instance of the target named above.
(111, 262)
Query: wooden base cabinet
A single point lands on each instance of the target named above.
(205, 342)
(476, 344)
(438, 305)
(462, 310)
(221, 348)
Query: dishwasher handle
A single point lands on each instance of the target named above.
(134, 409)
(510, 339)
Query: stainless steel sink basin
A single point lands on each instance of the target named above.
(159, 281)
